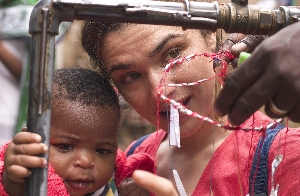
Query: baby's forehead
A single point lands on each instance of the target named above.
(74, 117)
(77, 106)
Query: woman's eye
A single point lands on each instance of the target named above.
(64, 147)
(102, 151)
(130, 77)
(172, 54)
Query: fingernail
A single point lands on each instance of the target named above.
(45, 147)
(44, 162)
(239, 47)
(38, 138)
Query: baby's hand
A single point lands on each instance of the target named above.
(20, 156)
(129, 187)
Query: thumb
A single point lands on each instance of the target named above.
(153, 183)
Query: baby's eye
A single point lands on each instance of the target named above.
(102, 151)
(130, 77)
(172, 54)
(64, 147)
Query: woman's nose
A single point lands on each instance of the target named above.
(159, 83)
(84, 160)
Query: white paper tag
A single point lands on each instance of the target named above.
(179, 184)
(174, 127)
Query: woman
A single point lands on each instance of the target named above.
(211, 160)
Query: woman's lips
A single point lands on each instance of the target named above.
(182, 116)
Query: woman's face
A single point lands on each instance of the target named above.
(135, 58)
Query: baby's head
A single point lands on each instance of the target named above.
(84, 123)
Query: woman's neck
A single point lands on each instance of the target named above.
(208, 138)
(191, 159)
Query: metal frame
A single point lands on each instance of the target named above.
(47, 16)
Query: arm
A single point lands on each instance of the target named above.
(19, 157)
(11, 62)
(271, 73)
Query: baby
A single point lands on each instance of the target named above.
(83, 140)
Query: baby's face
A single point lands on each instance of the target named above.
(83, 145)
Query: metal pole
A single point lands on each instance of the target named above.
(40, 89)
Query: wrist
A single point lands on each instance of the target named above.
(12, 187)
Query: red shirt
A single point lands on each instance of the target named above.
(228, 171)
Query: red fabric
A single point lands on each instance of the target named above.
(230, 171)
(55, 183)
(126, 166)
(2, 151)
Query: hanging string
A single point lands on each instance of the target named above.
(285, 138)
(212, 163)
(171, 102)
(250, 150)
(222, 74)
(236, 149)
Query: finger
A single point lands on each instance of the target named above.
(30, 149)
(29, 161)
(26, 137)
(294, 114)
(17, 173)
(251, 41)
(239, 47)
(155, 184)
(251, 100)
(127, 186)
(279, 105)
(232, 39)
(263, 86)
(237, 83)
(247, 44)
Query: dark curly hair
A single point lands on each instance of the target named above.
(92, 33)
(84, 86)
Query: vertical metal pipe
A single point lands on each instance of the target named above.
(40, 90)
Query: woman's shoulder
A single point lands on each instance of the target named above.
(146, 144)
(258, 119)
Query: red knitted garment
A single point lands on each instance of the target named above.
(126, 166)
